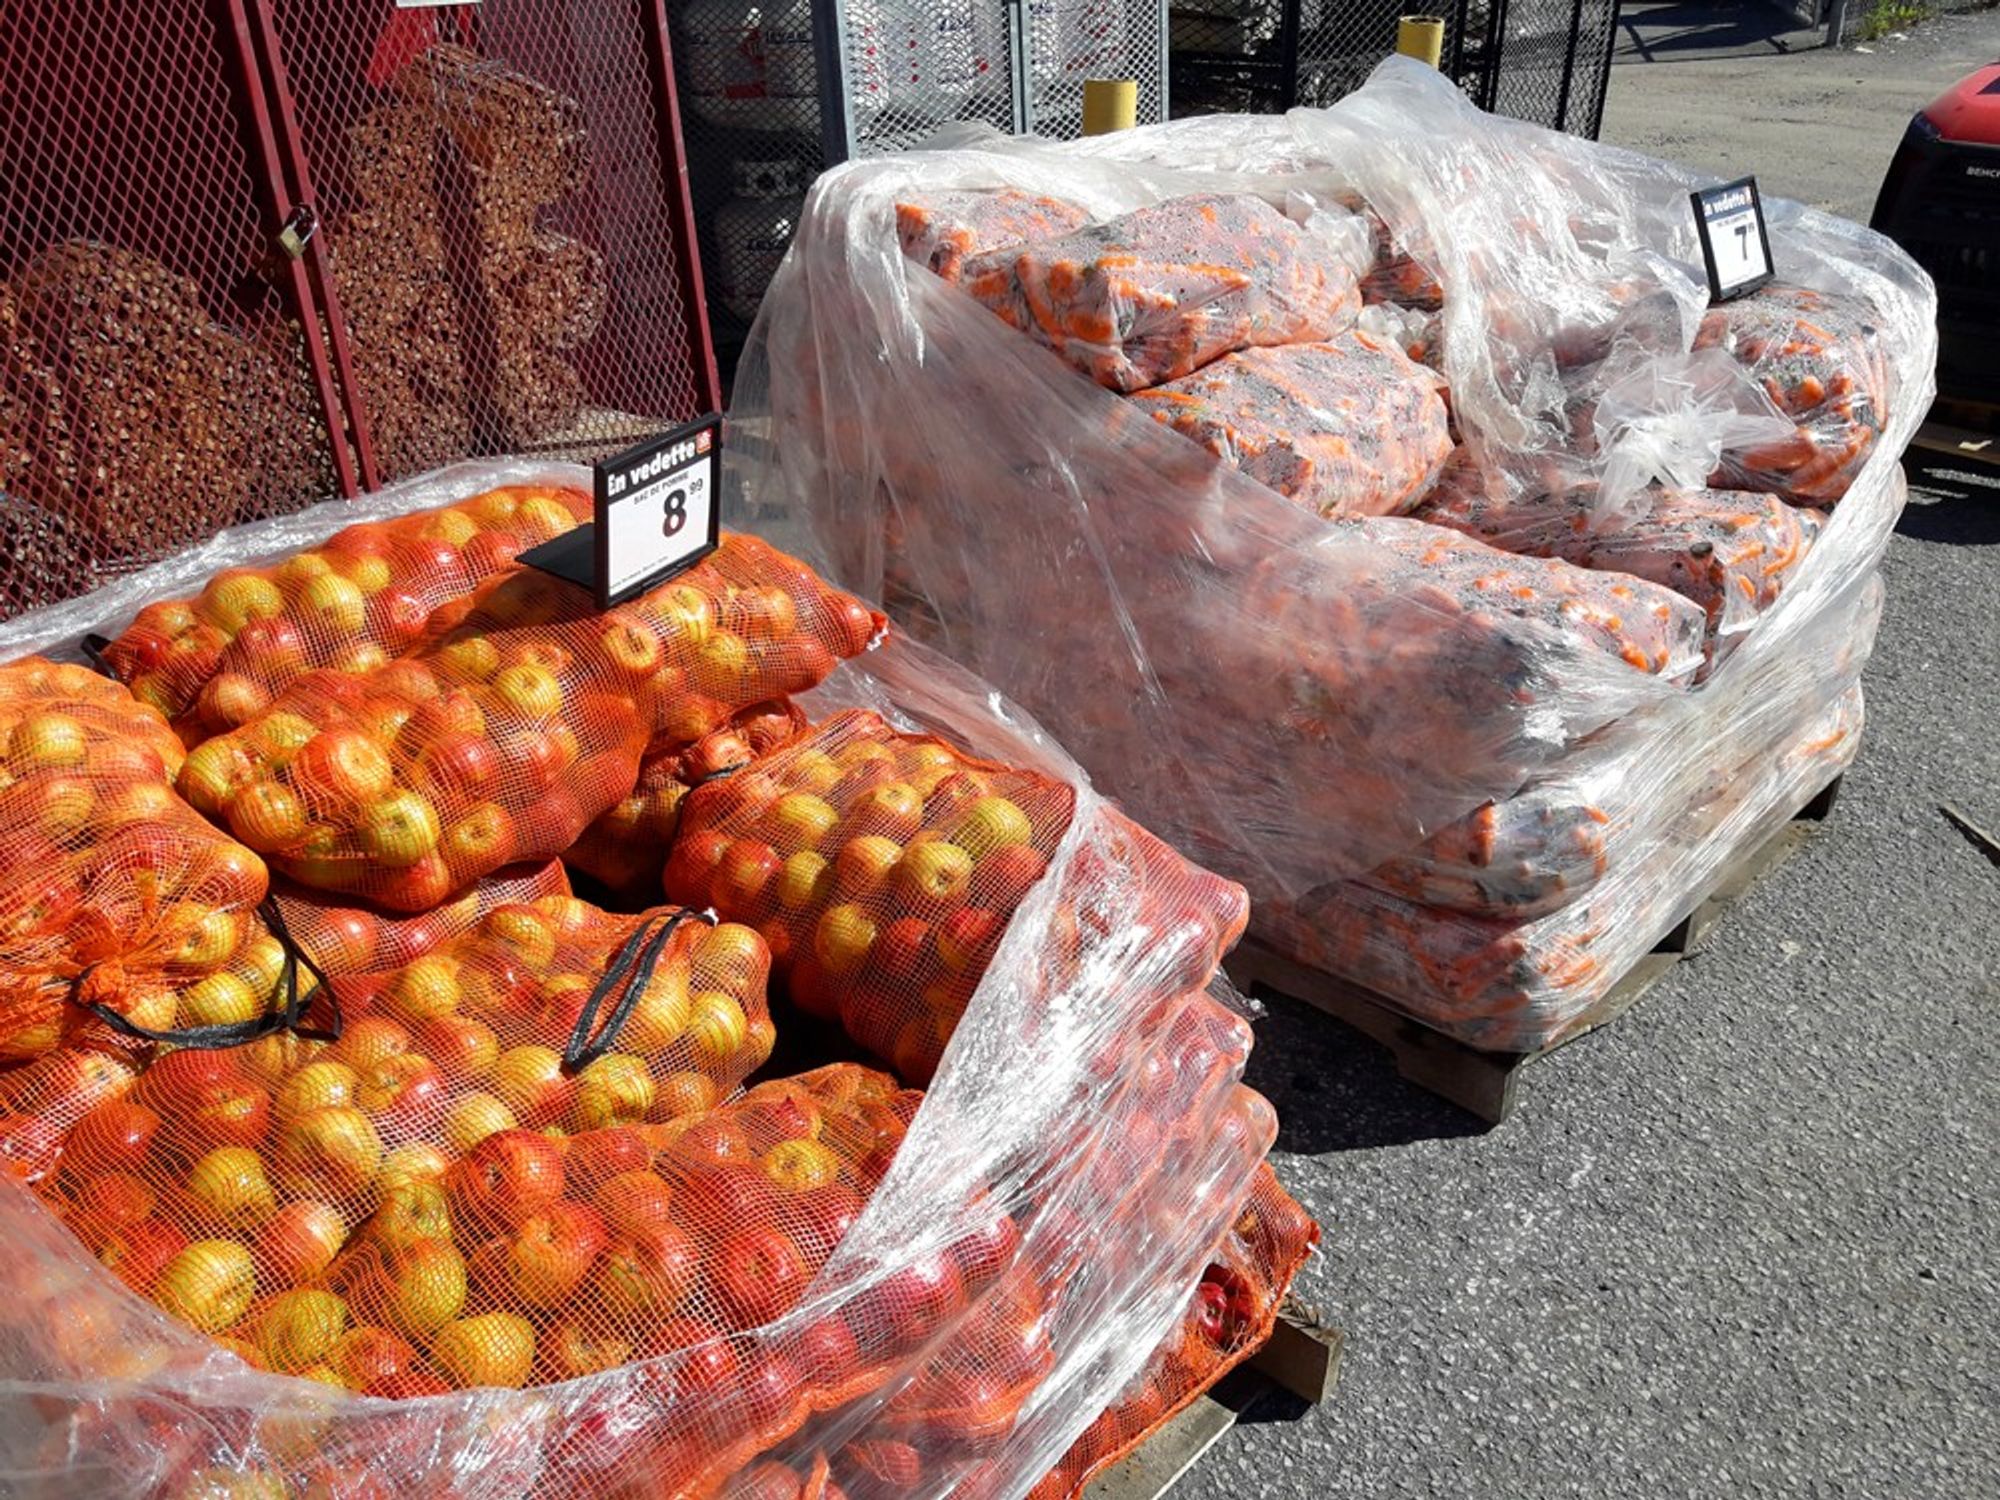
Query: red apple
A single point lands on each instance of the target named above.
(456, 766)
(370, 1360)
(648, 1275)
(343, 768)
(116, 1136)
(405, 1093)
(967, 937)
(633, 1202)
(300, 1241)
(553, 1251)
(463, 1049)
(138, 1253)
(506, 1178)
(601, 1155)
(759, 1275)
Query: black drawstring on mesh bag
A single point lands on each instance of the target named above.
(288, 1017)
(632, 968)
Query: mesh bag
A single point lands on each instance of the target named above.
(941, 231)
(216, 660)
(1729, 551)
(1823, 360)
(401, 1173)
(883, 867)
(508, 732)
(115, 892)
(1349, 427)
(1164, 290)
(342, 939)
(626, 849)
(1232, 1312)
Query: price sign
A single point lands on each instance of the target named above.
(1734, 245)
(658, 512)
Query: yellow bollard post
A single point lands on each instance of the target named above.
(1421, 37)
(1110, 104)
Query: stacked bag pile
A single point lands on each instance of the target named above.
(1375, 501)
(459, 1040)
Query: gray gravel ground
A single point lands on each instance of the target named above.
(1740, 1243)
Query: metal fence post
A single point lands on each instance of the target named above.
(836, 103)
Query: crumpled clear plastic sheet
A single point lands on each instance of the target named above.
(1347, 427)
(1288, 699)
(1510, 930)
(1029, 1233)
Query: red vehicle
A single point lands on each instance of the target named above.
(1941, 202)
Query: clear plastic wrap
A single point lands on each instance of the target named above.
(941, 231)
(1510, 929)
(1730, 551)
(1017, 1240)
(1348, 427)
(1295, 701)
(1822, 360)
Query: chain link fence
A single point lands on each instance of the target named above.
(771, 94)
(1540, 60)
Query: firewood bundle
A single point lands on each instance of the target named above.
(466, 310)
(396, 293)
(132, 421)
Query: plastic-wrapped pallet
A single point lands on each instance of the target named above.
(757, 1279)
(1292, 700)
(1509, 928)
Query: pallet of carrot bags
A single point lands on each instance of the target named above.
(1376, 501)
(349, 1152)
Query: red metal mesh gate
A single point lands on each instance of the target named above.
(154, 385)
(488, 242)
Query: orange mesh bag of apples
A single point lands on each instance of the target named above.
(597, 1296)
(626, 849)
(400, 1170)
(360, 598)
(1231, 1314)
(881, 867)
(114, 894)
(512, 728)
(342, 939)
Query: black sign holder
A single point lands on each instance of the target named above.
(583, 556)
(1701, 198)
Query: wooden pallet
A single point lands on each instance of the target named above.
(1301, 1357)
(1485, 1083)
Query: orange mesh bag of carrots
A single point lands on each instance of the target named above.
(941, 231)
(508, 732)
(1729, 551)
(360, 598)
(1349, 427)
(1823, 359)
(626, 849)
(1163, 290)
(113, 892)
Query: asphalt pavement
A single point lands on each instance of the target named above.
(1740, 1242)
